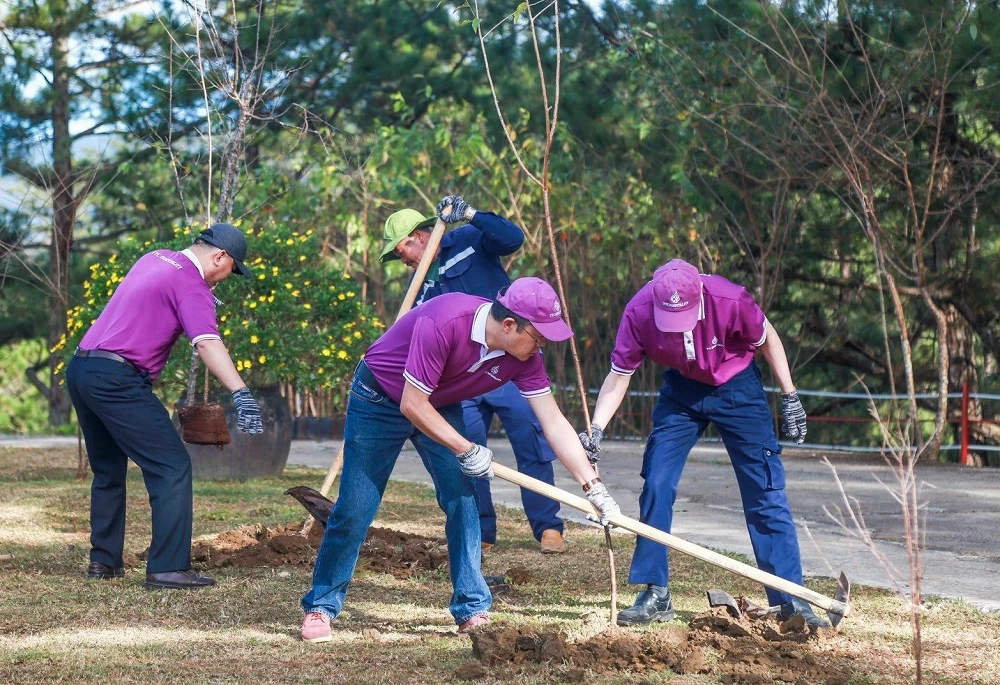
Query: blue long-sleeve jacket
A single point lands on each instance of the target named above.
(469, 259)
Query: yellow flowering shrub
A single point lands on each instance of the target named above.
(299, 318)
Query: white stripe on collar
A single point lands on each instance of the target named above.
(191, 255)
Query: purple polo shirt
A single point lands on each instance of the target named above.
(440, 348)
(731, 328)
(162, 295)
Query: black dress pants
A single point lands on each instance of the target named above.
(122, 419)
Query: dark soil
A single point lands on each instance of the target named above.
(744, 651)
(386, 551)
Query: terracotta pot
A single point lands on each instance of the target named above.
(247, 456)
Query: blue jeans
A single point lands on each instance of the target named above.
(374, 434)
(533, 455)
(739, 411)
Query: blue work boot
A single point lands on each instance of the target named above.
(652, 604)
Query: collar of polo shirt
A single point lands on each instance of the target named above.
(191, 255)
(478, 335)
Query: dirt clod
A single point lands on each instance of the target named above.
(519, 575)
(741, 651)
(384, 550)
(470, 671)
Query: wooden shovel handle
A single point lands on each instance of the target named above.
(673, 542)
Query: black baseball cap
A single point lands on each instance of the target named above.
(229, 238)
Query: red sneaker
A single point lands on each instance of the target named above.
(316, 627)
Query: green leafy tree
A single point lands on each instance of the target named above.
(63, 61)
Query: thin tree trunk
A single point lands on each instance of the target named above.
(63, 218)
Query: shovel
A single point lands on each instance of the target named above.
(836, 609)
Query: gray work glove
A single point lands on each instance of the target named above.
(592, 443)
(247, 412)
(459, 209)
(477, 462)
(794, 416)
(599, 496)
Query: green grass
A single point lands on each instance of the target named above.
(56, 627)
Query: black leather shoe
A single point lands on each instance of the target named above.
(99, 571)
(652, 604)
(797, 606)
(177, 580)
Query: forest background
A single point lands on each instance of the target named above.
(839, 159)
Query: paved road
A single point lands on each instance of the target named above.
(961, 510)
(961, 555)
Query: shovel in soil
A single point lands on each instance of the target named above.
(836, 608)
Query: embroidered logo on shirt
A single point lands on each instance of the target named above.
(715, 344)
(492, 373)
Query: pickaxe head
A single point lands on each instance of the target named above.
(842, 597)
(721, 598)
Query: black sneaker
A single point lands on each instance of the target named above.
(652, 604)
(99, 571)
(797, 606)
(177, 580)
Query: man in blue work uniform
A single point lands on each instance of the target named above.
(468, 261)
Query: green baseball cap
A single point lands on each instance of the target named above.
(398, 226)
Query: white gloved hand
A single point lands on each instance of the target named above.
(477, 462)
(599, 496)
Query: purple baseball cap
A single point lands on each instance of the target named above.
(676, 297)
(536, 301)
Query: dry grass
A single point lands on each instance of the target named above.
(56, 627)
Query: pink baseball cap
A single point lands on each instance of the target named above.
(676, 297)
(536, 301)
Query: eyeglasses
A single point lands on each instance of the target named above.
(540, 342)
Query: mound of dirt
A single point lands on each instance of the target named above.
(256, 546)
(744, 651)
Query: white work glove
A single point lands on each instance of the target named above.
(592, 443)
(477, 462)
(599, 496)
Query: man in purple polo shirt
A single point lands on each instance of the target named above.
(706, 329)
(410, 386)
(110, 379)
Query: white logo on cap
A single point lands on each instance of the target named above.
(675, 302)
(556, 310)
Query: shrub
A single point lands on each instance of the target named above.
(299, 319)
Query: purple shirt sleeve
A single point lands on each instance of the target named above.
(196, 312)
(748, 327)
(427, 356)
(532, 381)
(629, 352)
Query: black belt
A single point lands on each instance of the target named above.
(104, 354)
(366, 376)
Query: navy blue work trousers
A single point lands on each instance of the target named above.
(532, 453)
(122, 419)
(739, 411)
